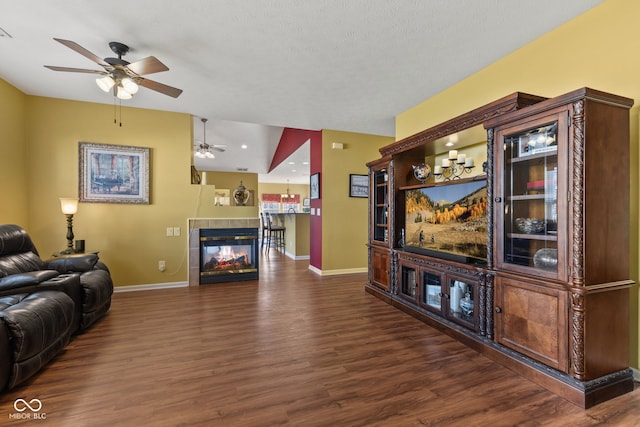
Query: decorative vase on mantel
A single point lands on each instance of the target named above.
(241, 195)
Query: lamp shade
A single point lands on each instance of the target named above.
(129, 85)
(123, 94)
(69, 206)
(105, 83)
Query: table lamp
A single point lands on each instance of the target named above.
(69, 206)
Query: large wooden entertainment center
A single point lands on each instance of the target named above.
(547, 293)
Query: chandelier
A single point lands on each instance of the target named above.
(204, 149)
(288, 196)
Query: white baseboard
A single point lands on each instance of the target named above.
(152, 286)
(315, 270)
(296, 258)
(337, 272)
(636, 375)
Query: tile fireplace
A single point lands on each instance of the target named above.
(223, 250)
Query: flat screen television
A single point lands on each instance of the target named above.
(448, 220)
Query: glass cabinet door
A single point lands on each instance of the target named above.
(531, 186)
(381, 206)
(432, 291)
(462, 297)
(408, 282)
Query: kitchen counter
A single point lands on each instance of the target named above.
(297, 234)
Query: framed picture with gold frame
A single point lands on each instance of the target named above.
(113, 173)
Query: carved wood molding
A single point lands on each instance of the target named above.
(472, 118)
(393, 237)
(577, 123)
(577, 332)
(489, 297)
(394, 272)
(490, 195)
(482, 304)
(420, 260)
(577, 270)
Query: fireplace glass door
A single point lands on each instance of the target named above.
(228, 255)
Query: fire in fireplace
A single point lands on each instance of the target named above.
(228, 254)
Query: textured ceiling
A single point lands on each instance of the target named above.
(349, 65)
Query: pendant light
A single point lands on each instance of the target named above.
(287, 196)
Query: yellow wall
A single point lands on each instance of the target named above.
(597, 50)
(13, 154)
(344, 218)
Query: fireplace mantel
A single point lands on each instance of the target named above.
(195, 224)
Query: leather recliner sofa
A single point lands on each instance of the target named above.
(44, 303)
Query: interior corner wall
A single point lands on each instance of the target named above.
(597, 50)
(14, 172)
(345, 221)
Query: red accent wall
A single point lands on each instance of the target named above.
(315, 249)
(290, 141)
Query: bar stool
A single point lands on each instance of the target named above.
(274, 232)
(264, 229)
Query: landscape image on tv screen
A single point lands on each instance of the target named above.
(448, 220)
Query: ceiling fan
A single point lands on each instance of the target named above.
(120, 75)
(201, 148)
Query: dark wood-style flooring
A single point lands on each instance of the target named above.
(292, 349)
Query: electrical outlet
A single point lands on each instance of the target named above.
(176, 231)
(169, 231)
(161, 265)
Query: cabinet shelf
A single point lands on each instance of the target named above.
(546, 155)
(531, 197)
(424, 185)
(545, 237)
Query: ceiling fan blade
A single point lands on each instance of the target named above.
(74, 70)
(159, 87)
(148, 65)
(82, 51)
